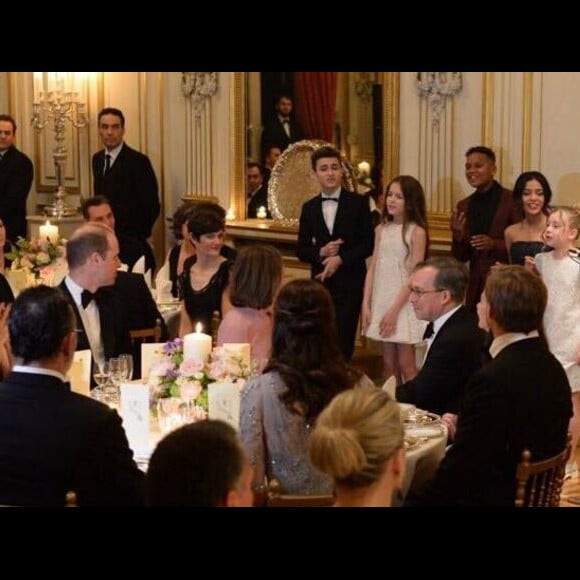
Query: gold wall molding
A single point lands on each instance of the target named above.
(391, 124)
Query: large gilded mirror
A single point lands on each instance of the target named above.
(358, 111)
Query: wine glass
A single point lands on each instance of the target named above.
(100, 373)
(128, 358)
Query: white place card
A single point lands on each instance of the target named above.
(136, 417)
(224, 403)
(80, 372)
(150, 352)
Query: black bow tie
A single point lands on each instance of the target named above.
(330, 199)
(428, 331)
(86, 297)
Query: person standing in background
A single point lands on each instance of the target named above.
(336, 237)
(16, 174)
(479, 221)
(283, 129)
(257, 190)
(126, 177)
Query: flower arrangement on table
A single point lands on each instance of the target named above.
(171, 375)
(38, 257)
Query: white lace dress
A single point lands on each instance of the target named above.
(391, 273)
(562, 316)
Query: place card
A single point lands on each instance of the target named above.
(80, 372)
(224, 403)
(136, 416)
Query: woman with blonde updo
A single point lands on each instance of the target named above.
(358, 441)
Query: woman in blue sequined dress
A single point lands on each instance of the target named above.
(305, 371)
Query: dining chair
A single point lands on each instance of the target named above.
(152, 334)
(274, 497)
(539, 483)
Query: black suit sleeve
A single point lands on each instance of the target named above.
(106, 474)
(363, 245)
(308, 244)
(147, 189)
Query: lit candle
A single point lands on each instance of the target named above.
(230, 215)
(239, 351)
(197, 345)
(364, 168)
(261, 213)
(48, 231)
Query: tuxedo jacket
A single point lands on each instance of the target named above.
(131, 187)
(53, 440)
(260, 198)
(114, 317)
(275, 134)
(16, 174)
(480, 262)
(454, 355)
(519, 400)
(141, 311)
(353, 225)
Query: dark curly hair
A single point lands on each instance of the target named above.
(305, 350)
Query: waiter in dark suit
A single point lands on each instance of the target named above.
(126, 177)
(53, 440)
(519, 400)
(92, 253)
(283, 129)
(336, 236)
(16, 174)
(454, 339)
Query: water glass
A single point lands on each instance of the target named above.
(128, 358)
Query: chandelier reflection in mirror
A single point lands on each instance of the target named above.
(437, 86)
(56, 98)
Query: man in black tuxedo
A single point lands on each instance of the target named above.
(53, 440)
(455, 347)
(519, 400)
(283, 129)
(336, 236)
(16, 174)
(257, 190)
(98, 209)
(126, 177)
(92, 253)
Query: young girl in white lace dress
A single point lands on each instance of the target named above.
(401, 242)
(560, 270)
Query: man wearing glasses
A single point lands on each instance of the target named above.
(454, 340)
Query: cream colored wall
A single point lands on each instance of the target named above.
(531, 120)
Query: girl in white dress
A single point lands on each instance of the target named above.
(560, 270)
(401, 242)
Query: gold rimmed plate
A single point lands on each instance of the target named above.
(418, 417)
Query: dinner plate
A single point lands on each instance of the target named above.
(419, 417)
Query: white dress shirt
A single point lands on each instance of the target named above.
(329, 208)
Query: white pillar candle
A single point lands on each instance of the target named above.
(48, 231)
(240, 351)
(261, 213)
(197, 345)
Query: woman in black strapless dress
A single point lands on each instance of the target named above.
(532, 194)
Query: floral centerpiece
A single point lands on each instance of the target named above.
(37, 257)
(173, 376)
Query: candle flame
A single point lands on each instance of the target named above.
(198, 327)
(47, 222)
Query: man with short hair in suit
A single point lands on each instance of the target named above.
(16, 174)
(454, 340)
(98, 209)
(126, 177)
(336, 236)
(519, 400)
(257, 191)
(53, 440)
(283, 129)
(92, 253)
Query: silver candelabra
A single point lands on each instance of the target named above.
(60, 106)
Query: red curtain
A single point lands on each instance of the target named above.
(315, 99)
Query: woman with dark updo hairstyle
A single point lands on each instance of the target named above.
(305, 371)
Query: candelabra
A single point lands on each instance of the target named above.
(61, 106)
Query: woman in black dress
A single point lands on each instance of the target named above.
(205, 276)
